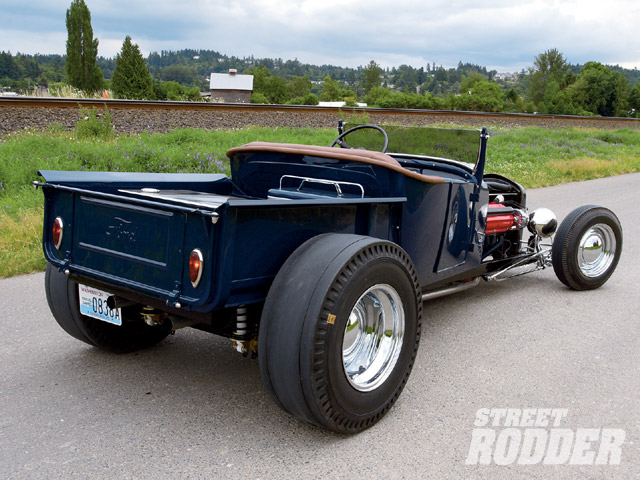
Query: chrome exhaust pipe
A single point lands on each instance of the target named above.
(449, 290)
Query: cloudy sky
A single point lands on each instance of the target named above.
(505, 35)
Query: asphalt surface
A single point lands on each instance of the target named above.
(192, 408)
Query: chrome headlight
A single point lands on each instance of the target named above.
(542, 222)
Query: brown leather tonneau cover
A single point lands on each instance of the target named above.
(355, 155)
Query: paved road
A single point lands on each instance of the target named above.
(191, 408)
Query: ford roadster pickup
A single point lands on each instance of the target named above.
(314, 259)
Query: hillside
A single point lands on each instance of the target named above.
(428, 86)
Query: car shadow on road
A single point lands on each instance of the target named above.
(191, 375)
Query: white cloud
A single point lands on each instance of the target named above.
(502, 34)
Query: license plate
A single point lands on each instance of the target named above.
(93, 303)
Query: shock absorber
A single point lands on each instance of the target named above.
(241, 341)
(241, 321)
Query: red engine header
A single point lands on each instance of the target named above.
(500, 222)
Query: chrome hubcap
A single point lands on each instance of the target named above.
(596, 250)
(373, 337)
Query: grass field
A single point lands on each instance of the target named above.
(533, 157)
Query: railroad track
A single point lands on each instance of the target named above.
(17, 113)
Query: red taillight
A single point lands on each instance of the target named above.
(195, 267)
(57, 232)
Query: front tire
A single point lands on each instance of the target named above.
(340, 331)
(62, 296)
(587, 247)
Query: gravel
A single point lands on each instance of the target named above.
(156, 118)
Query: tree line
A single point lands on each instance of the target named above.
(551, 85)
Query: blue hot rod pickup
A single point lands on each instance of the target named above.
(315, 259)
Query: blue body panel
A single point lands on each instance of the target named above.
(116, 233)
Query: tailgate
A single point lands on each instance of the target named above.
(134, 244)
(130, 242)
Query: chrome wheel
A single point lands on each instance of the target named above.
(373, 337)
(587, 247)
(596, 250)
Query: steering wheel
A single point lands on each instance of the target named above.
(339, 139)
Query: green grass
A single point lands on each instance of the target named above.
(537, 157)
(532, 156)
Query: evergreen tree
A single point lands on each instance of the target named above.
(371, 76)
(82, 50)
(8, 66)
(131, 78)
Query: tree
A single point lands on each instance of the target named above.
(82, 50)
(331, 90)
(376, 96)
(268, 88)
(406, 78)
(484, 96)
(440, 74)
(260, 76)
(8, 66)
(600, 90)
(634, 99)
(186, 75)
(468, 81)
(28, 67)
(276, 90)
(131, 78)
(513, 102)
(548, 67)
(371, 76)
(299, 86)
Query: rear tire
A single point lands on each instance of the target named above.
(340, 331)
(587, 247)
(62, 296)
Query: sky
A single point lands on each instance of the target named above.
(505, 35)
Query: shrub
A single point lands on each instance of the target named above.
(193, 95)
(310, 99)
(258, 98)
(350, 102)
(94, 125)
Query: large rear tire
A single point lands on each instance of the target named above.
(340, 331)
(587, 247)
(62, 296)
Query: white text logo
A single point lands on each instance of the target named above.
(529, 436)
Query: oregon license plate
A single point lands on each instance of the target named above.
(93, 303)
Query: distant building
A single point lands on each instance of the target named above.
(231, 87)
